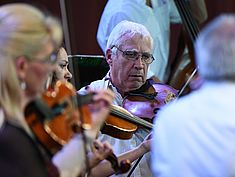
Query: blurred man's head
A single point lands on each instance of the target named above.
(215, 49)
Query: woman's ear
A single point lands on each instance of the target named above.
(21, 65)
(109, 57)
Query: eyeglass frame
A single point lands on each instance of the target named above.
(135, 58)
(50, 59)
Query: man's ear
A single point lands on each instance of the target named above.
(21, 65)
(109, 57)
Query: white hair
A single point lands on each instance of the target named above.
(127, 28)
(215, 49)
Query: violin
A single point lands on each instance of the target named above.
(122, 124)
(147, 103)
(139, 109)
(55, 119)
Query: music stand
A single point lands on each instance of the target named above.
(87, 68)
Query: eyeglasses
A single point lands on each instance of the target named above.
(134, 55)
(51, 59)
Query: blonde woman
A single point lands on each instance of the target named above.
(28, 39)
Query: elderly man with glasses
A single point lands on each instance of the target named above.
(129, 54)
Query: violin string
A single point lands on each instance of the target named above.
(132, 118)
(128, 117)
(136, 120)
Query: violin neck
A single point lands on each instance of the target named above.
(132, 118)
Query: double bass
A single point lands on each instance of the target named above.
(184, 68)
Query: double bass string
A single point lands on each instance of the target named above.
(192, 26)
(187, 18)
(192, 29)
(184, 18)
(191, 21)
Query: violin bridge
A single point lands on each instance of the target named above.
(170, 96)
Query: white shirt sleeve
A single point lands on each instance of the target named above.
(174, 14)
(1, 117)
(106, 26)
(70, 160)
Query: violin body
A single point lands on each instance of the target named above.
(37, 126)
(117, 126)
(146, 104)
(139, 109)
(54, 119)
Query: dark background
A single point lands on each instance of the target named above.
(83, 18)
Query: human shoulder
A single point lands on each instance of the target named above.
(95, 85)
(122, 9)
(113, 7)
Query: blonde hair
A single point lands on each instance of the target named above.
(24, 30)
(9, 97)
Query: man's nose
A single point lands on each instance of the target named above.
(139, 62)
